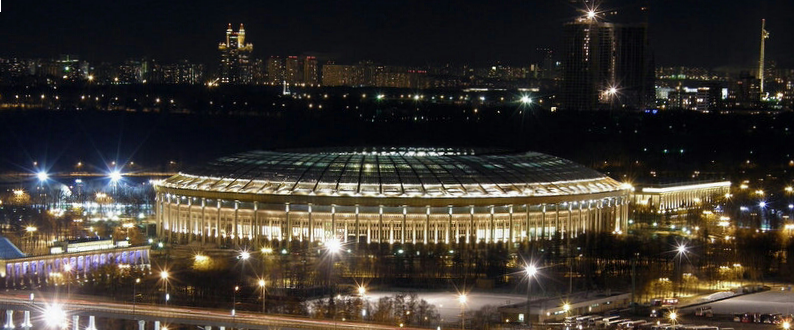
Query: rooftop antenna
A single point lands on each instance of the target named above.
(764, 36)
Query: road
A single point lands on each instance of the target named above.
(175, 315)
(447, 302)
(767, 302)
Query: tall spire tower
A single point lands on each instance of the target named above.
(764, 36)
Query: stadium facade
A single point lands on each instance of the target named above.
(387, 195)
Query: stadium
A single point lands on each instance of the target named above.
(387, 195)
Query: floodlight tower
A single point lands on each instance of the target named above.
(764, 36)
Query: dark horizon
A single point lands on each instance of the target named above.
(407, 33)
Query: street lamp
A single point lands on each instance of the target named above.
(42, 176)
(164, 277)
(135, 294)
(682, 250)
(234, 303)
(262, 285)
(531, 270)
(333, 246)
(672, 316)
(786, 325)
(115, 177)
(611, 93)
(462, 300)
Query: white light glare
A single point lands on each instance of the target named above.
(43, 176)
(55, 316)
(333, 245)
(115, 175)
(531, 270)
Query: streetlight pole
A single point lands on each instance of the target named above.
(531, 271)
(681, 253)
(134, 294)
(164, 277)
(462, 301)
(262, 285)
(234, 304)
(333, 246)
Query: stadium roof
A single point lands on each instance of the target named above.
(394, 172)
(8, 250)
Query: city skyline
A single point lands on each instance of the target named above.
(413, 33)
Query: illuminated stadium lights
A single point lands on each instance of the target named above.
(353, 195)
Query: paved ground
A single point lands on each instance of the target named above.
(448, 305)
(773, 301)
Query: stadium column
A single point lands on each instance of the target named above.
(402, 228)
(218, 224)
(333, 221)
(203, 223)
(159, 200)
(529, 224)
(626, 213)
(235, 230)
(369, 231)
(470, 228)
(509, 239)
(569, 226)
(427, 226)
(449, 228)
(255, 227)
(543, 223)
(178, 220)
(358, 228)
(288, 237)
(491, 238)
(413, 231)
(580, 221)
(311, 225)
(600, 215)
(380, 225)
(557, 219)
(190, 223)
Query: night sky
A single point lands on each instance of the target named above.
(705, 33)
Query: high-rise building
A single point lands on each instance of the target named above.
(275, 70)
(235, 58)
(744, 92)
(293, 72)
(606, 66)
(310, 72)
(342, 75)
